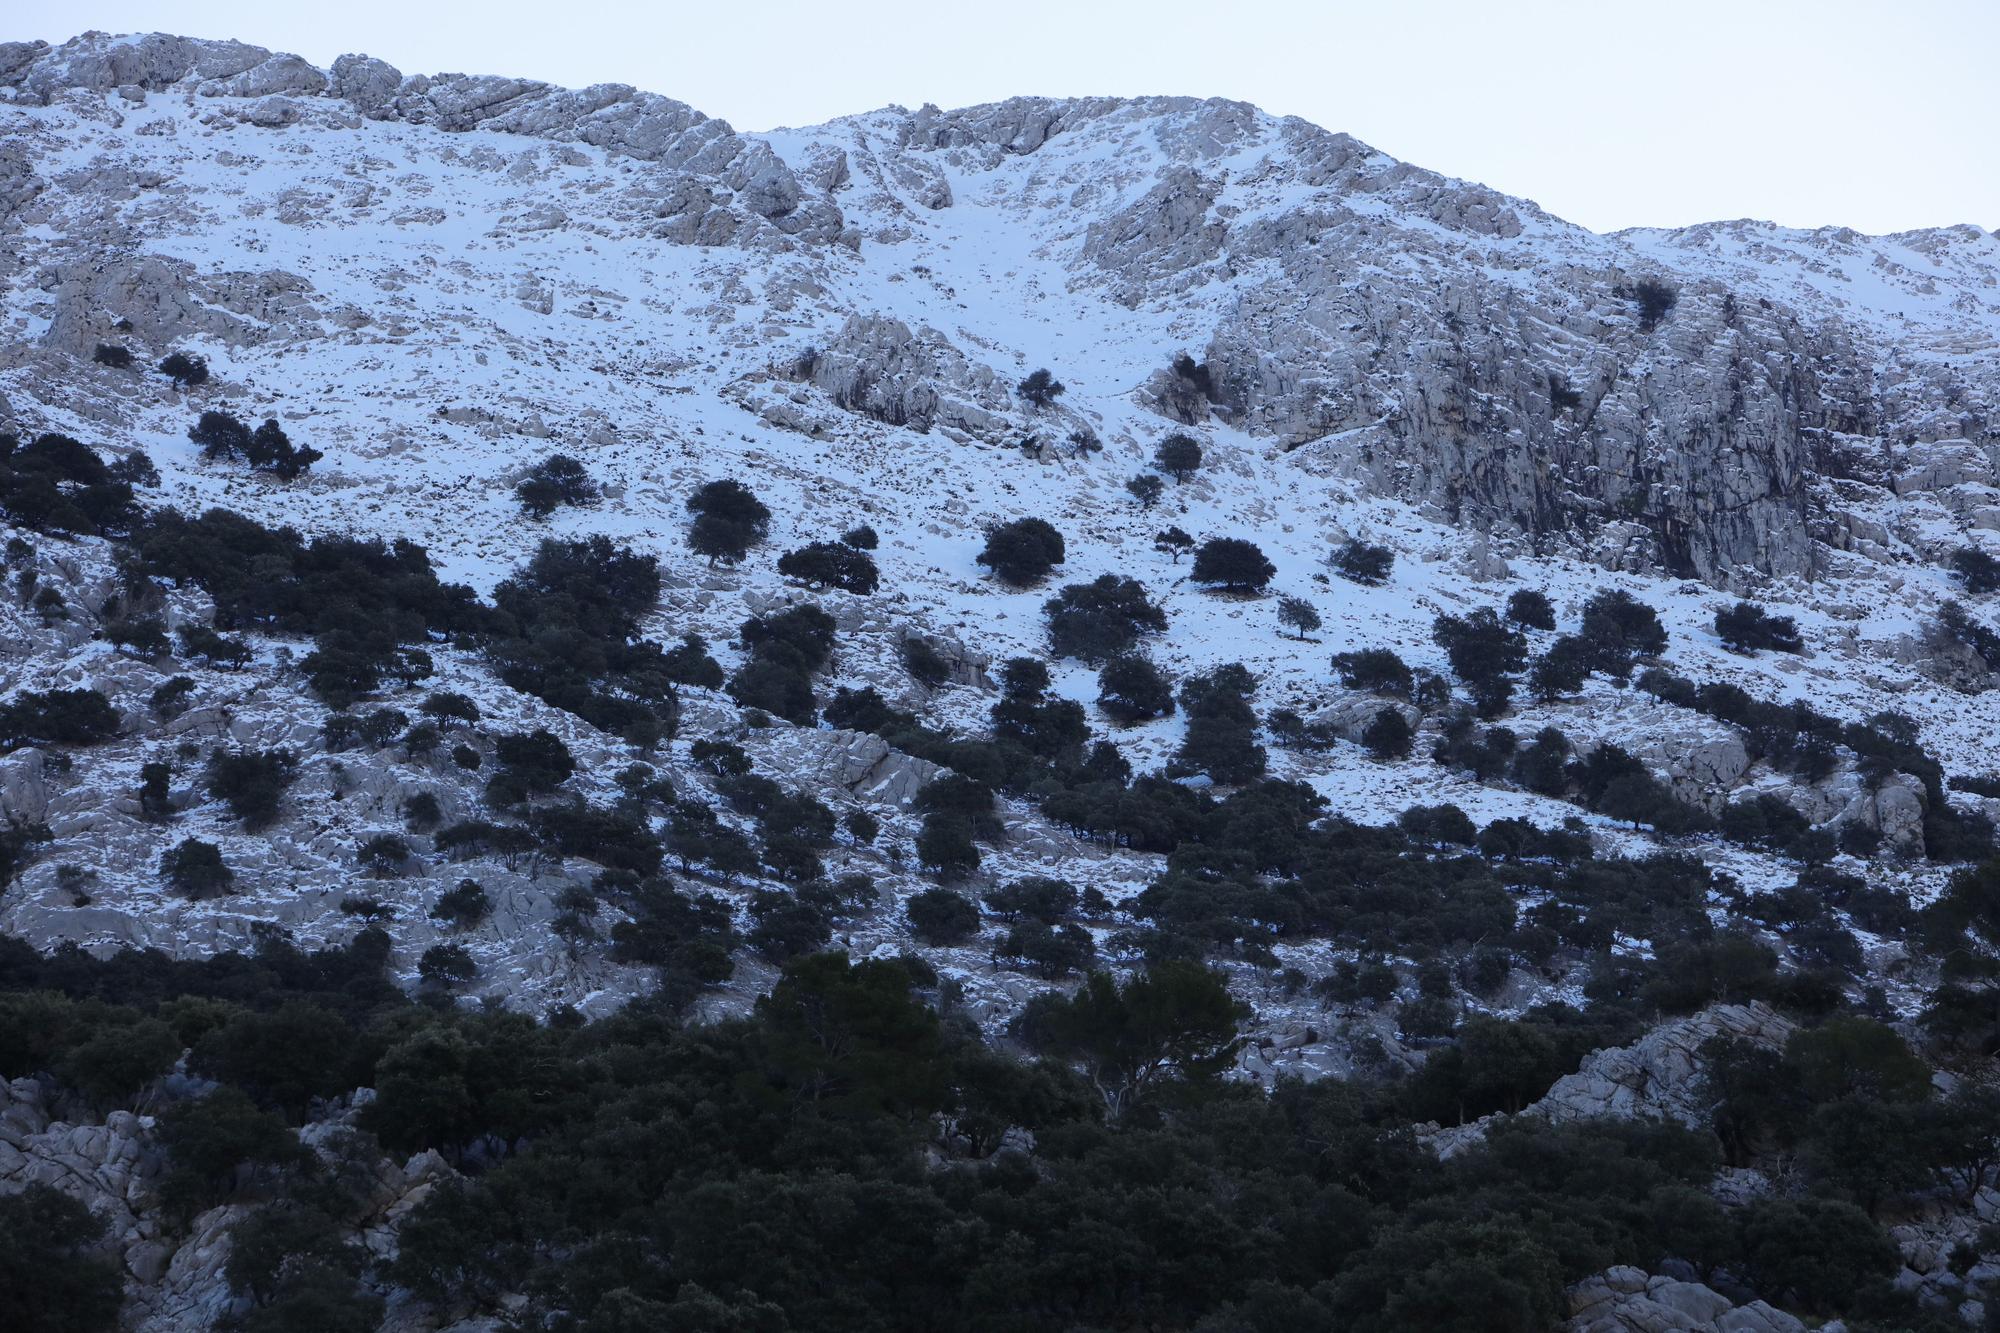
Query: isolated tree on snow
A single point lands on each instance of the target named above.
(556, 481)
(1236, 564)
(1040, 388)
(184, 370)
(1146, 489)
(1178, 456)
(729, 520)
(1023, 551)
(1363, 562)
(1174, 542)
(1299, 614)
(832, 565)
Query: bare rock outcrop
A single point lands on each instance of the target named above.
(877, 366)
(1658, 1077)
(162, 302)
(1627, 1300)
(753, 193)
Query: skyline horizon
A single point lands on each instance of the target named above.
(1683, 190)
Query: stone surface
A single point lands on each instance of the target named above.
(1628, 1300)
(1658, 1077)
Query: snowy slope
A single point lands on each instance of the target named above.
(436, 308)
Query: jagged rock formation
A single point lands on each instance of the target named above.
(878, 367)
(1674, 401)
(1657, 1077)
(174, 1279)
(1627, 1300)
(728, 187)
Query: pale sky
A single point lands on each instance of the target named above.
(1877, 116)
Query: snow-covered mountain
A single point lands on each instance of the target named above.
(438, 281)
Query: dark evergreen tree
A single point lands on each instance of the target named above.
(1039, 389)
(184, 370)
(690, 663)
(1237, 565)
(1146, 489)
(447, 965)
(925, 664)
(1173, 542)
(945, 848)
(1376, 670)
(1178, 1022)
(728, 520)
(1300, 614)
(1022, 552)
(1131, 689)
(1978, 569)
(1531, 609)
(1360, 562)
(1620, 630)
(1747, 628)
(194, 869)
(250, 782)
(553, 482)
(1221, 738)
(1654, 299)
(1388, 736)
(1561, 670)
(52, 1277)
(1102, 619)
(464, 905)
(1481, 647)
(940, 918)
(832, 565)
(1179, 456)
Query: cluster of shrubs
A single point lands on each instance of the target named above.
(786, 650)
(554, 482)
(363, 602)
(1956, 624)
(844, 564)
(266, 449)
(1798, 739)
(56, 717)
(56, 484)
(865, 1070)
(1488, 650)
(1748, 628)
(728, 521)
(566, 629)
(1221, 739)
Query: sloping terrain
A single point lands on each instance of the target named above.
(438, 282)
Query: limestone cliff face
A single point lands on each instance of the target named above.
(1452, 346)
